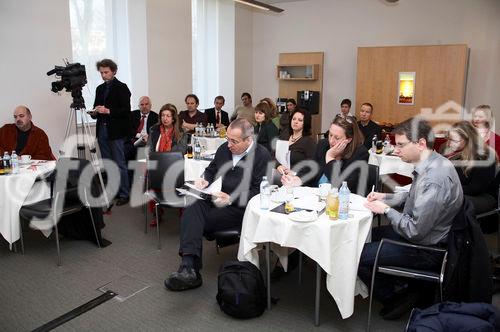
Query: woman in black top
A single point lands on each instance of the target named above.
(343, 148)
(301, 144)
(475, 163)
(265, 130)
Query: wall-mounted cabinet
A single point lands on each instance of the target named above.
(299, 72)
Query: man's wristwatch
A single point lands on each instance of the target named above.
(386, 210)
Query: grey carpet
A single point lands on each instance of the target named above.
(34, 290)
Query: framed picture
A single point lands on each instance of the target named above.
(406, 88)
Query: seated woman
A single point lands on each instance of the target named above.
(482, 120)
(475, 163)
(275, 116)
(265, 130)
(301, 144)
(343, 148)
(166, 136)
(291, 105)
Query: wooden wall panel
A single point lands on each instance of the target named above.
(289, 88)
(440, 77)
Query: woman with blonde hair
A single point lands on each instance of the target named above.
(483, 121)
(475, 163)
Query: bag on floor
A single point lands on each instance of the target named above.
(241, 290)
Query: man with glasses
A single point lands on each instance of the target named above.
(429, 208)
(241, 163)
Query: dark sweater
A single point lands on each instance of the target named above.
(266, 132)
(369, 131)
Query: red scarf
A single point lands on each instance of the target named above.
(165, 139)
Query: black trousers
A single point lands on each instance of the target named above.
(203, 217)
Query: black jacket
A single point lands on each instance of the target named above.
(265, 133)
(118, 102)
(135, 120)
(360, 154)
(210, 113)
(241, 181)
(177, 146)
(468, 272)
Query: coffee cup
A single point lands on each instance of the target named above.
(25, 158)
(324, 189)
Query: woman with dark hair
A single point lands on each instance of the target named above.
(166, 135)
(275, 116)
(291, 105)
(343, 147)
(475, 163)
(301, 144)
(265, 130)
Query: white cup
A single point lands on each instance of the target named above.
(324, 189)
(25, 158)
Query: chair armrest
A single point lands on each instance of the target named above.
(410, 245)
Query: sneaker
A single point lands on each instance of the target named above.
(122, 201)
(186, 278)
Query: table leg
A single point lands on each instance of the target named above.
(268, 277)
(317, 298)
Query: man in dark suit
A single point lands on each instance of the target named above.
(141, 121)
(242, 163)
(112, 111)
(215, 115)
(367, 126)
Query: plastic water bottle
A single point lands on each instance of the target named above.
(374, 143)
(265, 193)
(6, 163)
(387, 144)
(344, 193)
(197, 149)
(14, 162)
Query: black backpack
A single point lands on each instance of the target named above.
(241, 290)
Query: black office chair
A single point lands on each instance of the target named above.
(64, 197)
(165, 169)
(224, 238)
(425, 275)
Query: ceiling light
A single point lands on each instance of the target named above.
(260, 5)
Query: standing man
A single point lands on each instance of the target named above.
(24, 137)
(367, 126)
(428, 210)
(112, 110)
(216, 116)
(192, 116)
(245, 163)
(245, 111)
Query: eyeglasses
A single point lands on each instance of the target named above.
(402, 145)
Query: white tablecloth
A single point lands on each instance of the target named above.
(391, 164)
(211, 143)
(17, 190)
(335, 245)
(193, 168)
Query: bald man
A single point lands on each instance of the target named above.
(24, 137)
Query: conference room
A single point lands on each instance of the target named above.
(309, 93)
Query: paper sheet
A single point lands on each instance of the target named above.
(282, 153)
(356, 203)
(216, 186)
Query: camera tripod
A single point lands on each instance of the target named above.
(84, 138)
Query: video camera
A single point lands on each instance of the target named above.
(72, 75)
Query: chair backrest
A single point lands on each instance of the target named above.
(165, 161)
(373, 179)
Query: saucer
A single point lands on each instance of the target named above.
(303, 216)
(23, 163)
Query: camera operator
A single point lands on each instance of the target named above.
(24, 137)
(112, 110)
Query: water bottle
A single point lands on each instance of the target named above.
(374, 143)
(387, 144)
(265, 193)
(14, 162)
(197, 149)
(344, 193)
(6, 163)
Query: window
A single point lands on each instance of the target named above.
(99, 29)
(213, 51)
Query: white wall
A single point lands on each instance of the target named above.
(243, 75)
(169, 49)
(35, 36)
(339, 27)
